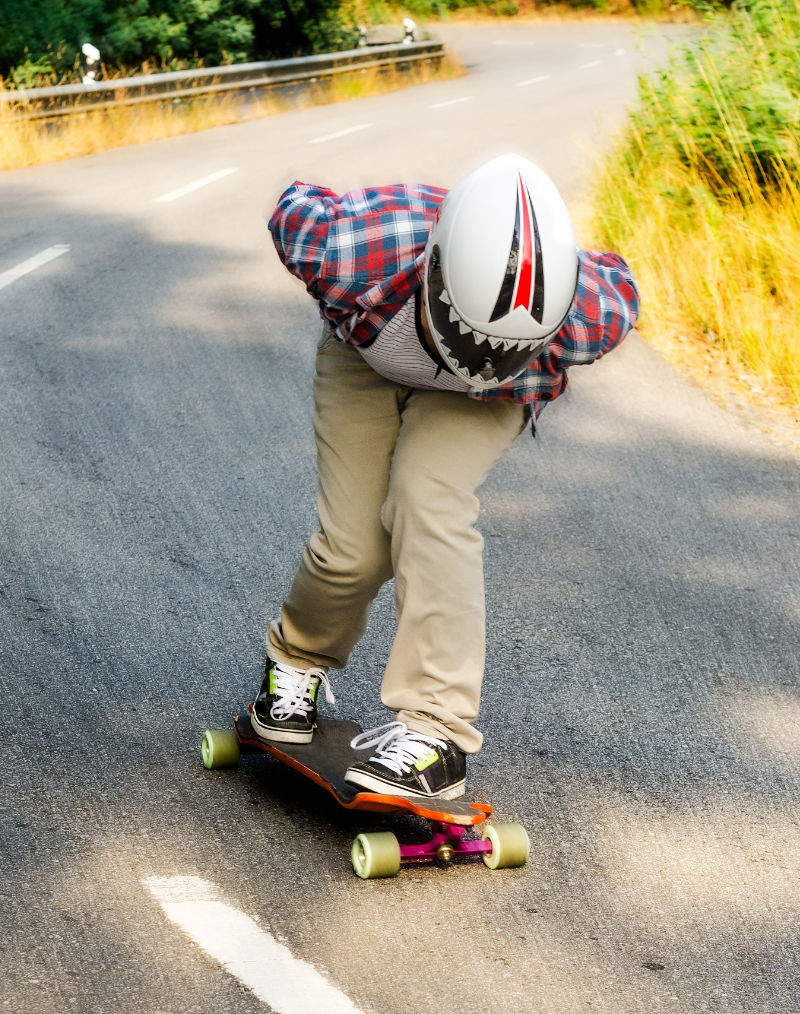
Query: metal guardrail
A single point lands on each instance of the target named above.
(66, 100)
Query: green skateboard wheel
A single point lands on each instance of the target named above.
(510, 846)
(376, 855)
(220, 748)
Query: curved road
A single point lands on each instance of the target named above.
(641, 707)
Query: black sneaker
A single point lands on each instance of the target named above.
(408, 763)
(285, 710)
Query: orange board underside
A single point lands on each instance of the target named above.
(474, 813)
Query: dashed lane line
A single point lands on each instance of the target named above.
(32, 263)
(452, 102)
(587, 66)
(173, 195)
(266, 967)
(533, 80)
(340, 133)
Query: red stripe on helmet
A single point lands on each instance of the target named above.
(525, 277)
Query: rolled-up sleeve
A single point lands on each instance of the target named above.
(299, 228)
(605, 309)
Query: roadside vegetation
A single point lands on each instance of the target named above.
(43, 44)
(702, 194)
(27, 142)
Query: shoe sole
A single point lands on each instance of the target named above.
(279, 735)
(373, 784)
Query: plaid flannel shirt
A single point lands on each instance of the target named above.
(361, 257)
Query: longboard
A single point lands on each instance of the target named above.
(324, 762)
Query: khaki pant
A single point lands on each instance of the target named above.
(398, 470)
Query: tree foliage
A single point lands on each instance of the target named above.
(45, 36)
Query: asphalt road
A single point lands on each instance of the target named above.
(641, 703)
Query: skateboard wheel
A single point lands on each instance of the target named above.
(510, 846)
(220, 748)
(376, 855)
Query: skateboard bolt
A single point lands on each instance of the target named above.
(444, 853)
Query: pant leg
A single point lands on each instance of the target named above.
(446, 447)
(356, 423)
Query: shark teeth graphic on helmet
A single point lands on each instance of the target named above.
(485, 345)
(464, 371)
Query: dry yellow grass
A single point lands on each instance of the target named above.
(719, 275)
(720, 282)
(25, 142)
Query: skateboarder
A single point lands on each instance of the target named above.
(449, 321)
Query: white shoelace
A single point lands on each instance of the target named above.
(292, 688)
(398, 747)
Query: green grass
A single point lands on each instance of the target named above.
(702, 196)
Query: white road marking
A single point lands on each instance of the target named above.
(533, 80)
(619, 52)
(341, 133)
(173, 195)
(586, 66)
(268, 968)
(518, 42)
(591, 45)
(32, 263)
(452, 102)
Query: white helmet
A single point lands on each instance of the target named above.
(501, 269)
